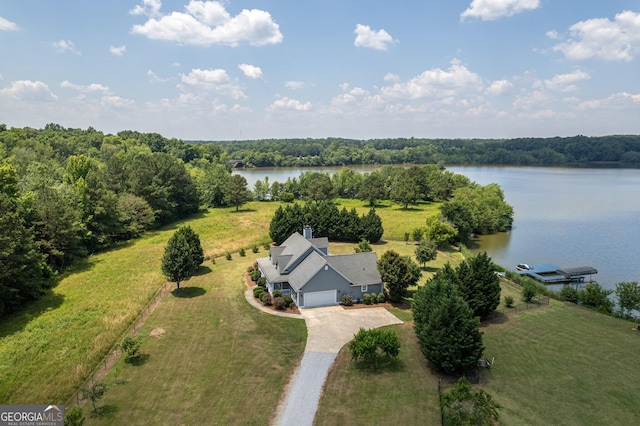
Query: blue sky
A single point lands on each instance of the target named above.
(220, 70)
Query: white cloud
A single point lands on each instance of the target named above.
(565, 82)
(93, 87)
(6, 25)
(27, 90)
(617, 40)
(366, 37)
(294, 85)
(251, 71)
(64, 46)
(553, 35)
(391, 77)
(288, 104)
(155, 78)
(207, 22)
(617, 100)
(216, 80)
(118, 51)
(488, 10)
(499, 88)
(436, 83)
(147, 8)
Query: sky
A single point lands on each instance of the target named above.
(361, 69)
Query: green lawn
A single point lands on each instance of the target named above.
(217, 361)
(564, 365)
(50, 348)
(556, 364)
(405, 393)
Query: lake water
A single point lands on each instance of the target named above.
(564, 216)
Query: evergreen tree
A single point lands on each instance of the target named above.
(236, 192)
(479, 285)
(372, 226)
(450, 338)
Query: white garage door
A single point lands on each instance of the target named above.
(320, 298)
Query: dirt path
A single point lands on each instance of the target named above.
(114, 354)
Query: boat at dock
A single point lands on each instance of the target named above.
(551, 274)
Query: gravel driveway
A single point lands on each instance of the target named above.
(329, 329)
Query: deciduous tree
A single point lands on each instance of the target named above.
(398, 273)
(628, 294)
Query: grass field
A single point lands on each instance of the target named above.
(557, 364)
(221, 362)
(217, 360)
(51, 347)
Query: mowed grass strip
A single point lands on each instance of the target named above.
(51, 347)
(564, 364)
(207, 358)
(404, 393)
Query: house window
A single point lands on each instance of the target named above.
(363, 288)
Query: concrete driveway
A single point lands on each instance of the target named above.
(329, 329)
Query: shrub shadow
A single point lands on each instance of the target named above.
(188, 292)
(138, 360)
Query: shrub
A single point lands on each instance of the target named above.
(381, 297)
(266, 246)
(417, 234)
(508, 301)
(262, 282)
(347, 300)
(213, 260)
(406, 237)
(228, 256)
(529, 291)
(286, 197)
(288, 300)
(293, 304)
(278, 303)
(366, 299)
(569, 294)
(130, 346)
(266, 299)
(254, 249)
(255, 275)
(74, 417)
(277, 293)
(242, 252)
(258, 292)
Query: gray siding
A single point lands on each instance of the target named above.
(356, 294)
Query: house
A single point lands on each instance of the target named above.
(302, 268)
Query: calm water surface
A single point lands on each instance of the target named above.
(564, 216)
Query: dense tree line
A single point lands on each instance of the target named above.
(623, 149)
(66, 193)
(326, 220)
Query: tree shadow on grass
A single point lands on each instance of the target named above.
(202, 270)
(138, 360)
(385, 364)
(104, 412)
(188, 292)
(17, 321)
(430, 269)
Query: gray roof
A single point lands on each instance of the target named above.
(270, 272)
(297, 260)
(357, 268)
(306, 270)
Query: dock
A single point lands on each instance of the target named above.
(551, 274)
